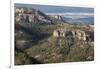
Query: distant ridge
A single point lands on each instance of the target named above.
(84, 15)
(46, 8)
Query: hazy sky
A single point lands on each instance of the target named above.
(81, 3)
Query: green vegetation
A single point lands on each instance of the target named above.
(45, 48)
(41, 38)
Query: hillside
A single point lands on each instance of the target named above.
(32, 16)
(41, 39)
(76, 15)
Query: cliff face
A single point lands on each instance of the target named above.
(35, 16)
(30, 16)
(79, 34)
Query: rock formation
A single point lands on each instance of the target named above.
(62, 33)
(79, 34)
(30, 16)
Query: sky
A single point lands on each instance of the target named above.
(76, 3)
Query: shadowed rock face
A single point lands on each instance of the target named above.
(90, 35)
(81, 35)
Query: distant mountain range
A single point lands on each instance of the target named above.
(69, 14)
(86, 20)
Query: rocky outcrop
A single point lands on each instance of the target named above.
(79, 34)
(62, 33)
(56, 19)
(19, 10)
(30, 16)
